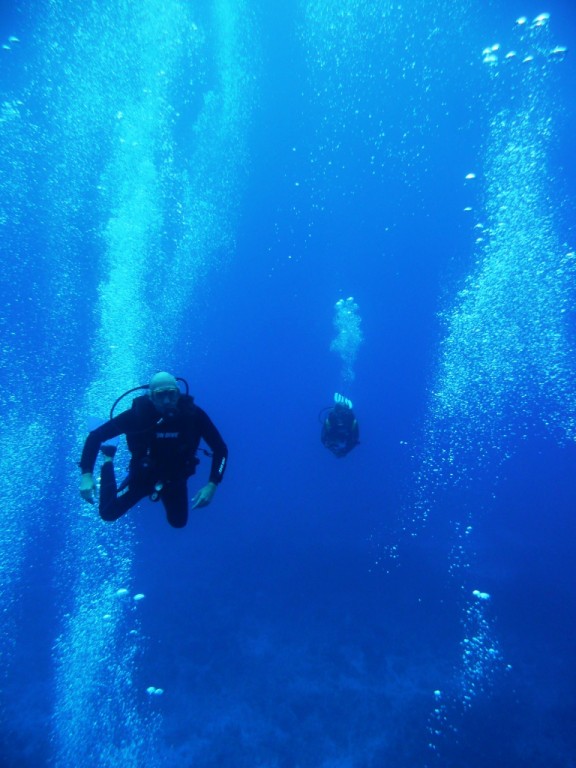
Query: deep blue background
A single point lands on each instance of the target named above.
(279, 626)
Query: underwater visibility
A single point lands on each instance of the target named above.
(287, 360)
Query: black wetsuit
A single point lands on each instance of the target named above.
(163, 449)
(340, 432)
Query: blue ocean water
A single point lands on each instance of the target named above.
(200, 187)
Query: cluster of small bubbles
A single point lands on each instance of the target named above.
(123, 592)
(461, 554)
(24, 466)
(376, 76)
(507, 356)
(532, 46)
(10, 110)
(349, 336)
(506, 363)
(385, 557)
(96, 654)
(541, 20)
(11, 42)
(92, 658)
(119, 115)
(438, 721)
(481, 655)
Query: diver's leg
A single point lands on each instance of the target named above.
(115, 502)
(174, 496)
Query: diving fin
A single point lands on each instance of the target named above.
(341, 400)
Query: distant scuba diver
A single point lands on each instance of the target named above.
(340, 431)
(163, 430)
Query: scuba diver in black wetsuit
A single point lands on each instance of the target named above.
(340, 433)
(163, 431)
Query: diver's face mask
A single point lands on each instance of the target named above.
(165, 399)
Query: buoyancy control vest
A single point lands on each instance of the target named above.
(168, 441)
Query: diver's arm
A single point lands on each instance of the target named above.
(355, 433)
(214, 441)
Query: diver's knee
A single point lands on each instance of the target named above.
(177, 523)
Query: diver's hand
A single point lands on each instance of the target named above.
(87, 487)
(204, 496)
